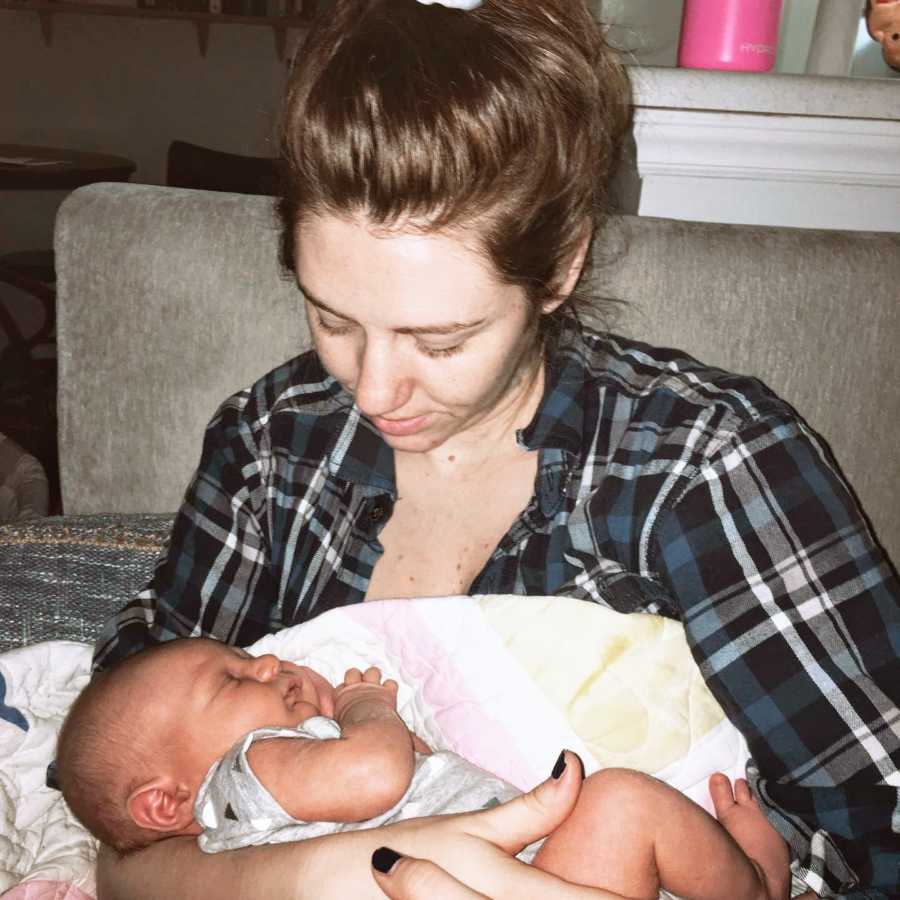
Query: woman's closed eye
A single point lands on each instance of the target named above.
(438, 352)
(336, 327)
(340, 327)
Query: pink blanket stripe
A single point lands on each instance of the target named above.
(460, 710)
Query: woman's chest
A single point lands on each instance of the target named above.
(443, 531)
(330, 545)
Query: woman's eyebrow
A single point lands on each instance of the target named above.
(319, 304)
(441, 329)
(448, 328)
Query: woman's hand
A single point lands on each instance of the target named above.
(407, 878)
(509, 827)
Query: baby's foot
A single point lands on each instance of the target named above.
(740, 815)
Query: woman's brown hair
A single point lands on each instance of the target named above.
(508, 119)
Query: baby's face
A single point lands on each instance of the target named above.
(883, 16)
(219, 693)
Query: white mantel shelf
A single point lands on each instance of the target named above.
(749, 92)
(803, 151)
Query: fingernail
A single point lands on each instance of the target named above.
(384, 859)
(560, 766)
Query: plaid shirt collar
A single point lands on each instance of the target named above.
(360, 455)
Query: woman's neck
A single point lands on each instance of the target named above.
(491, 440)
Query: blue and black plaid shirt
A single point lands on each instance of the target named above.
(663, 486)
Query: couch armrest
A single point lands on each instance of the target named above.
(61, 578)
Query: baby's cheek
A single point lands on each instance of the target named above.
(326, 702)
(304, 711)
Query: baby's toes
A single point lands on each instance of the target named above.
(721, 794)
(742, 794)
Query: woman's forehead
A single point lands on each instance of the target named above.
(345, 263)
(410, 240)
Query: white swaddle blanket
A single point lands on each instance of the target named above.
(504, 681)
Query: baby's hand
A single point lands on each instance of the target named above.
(364, 687)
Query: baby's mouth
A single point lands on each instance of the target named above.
(293, 693)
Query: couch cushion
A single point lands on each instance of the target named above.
(171, 299)
(61, 578)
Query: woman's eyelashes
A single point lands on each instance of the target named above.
(437, 352)
(335, 328)
(338, 329)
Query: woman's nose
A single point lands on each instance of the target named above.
(382, 385)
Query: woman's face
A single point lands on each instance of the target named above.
(417, 327)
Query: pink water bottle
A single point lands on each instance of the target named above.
(729, 34)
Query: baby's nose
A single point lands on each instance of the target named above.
(267, 667)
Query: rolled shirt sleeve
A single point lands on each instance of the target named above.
(213, 578)
(277, 524)
(791, 611)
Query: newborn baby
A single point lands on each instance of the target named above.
(196, 737)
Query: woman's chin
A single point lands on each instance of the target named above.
(414, 443)
(416, 435)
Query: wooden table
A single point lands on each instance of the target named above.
(61, 170)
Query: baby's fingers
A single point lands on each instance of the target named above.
(353, 676)
(372, 675)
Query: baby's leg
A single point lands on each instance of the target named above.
(739, 814)
(633, 834)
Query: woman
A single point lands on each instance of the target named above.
(446, 172)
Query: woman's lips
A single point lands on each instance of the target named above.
(400, 427)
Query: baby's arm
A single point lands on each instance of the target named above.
(352, 778)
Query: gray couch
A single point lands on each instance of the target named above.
(171, 299)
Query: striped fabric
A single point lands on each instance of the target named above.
(664, 486)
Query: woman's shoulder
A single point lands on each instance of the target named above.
(299, 387)
(616, 398)
(666, 381)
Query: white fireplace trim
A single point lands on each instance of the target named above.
(765, 169)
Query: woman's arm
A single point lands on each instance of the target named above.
(475, 848)
(213, 579)
(792, 614)
(177, 868)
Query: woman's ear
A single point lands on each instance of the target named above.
(161, 804)
(572, 271)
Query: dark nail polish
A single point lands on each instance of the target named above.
(560, 766)
(384, 859)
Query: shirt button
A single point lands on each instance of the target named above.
(376, 513)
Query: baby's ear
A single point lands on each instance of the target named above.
(162, 804)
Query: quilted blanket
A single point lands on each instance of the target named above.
(504, 681)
